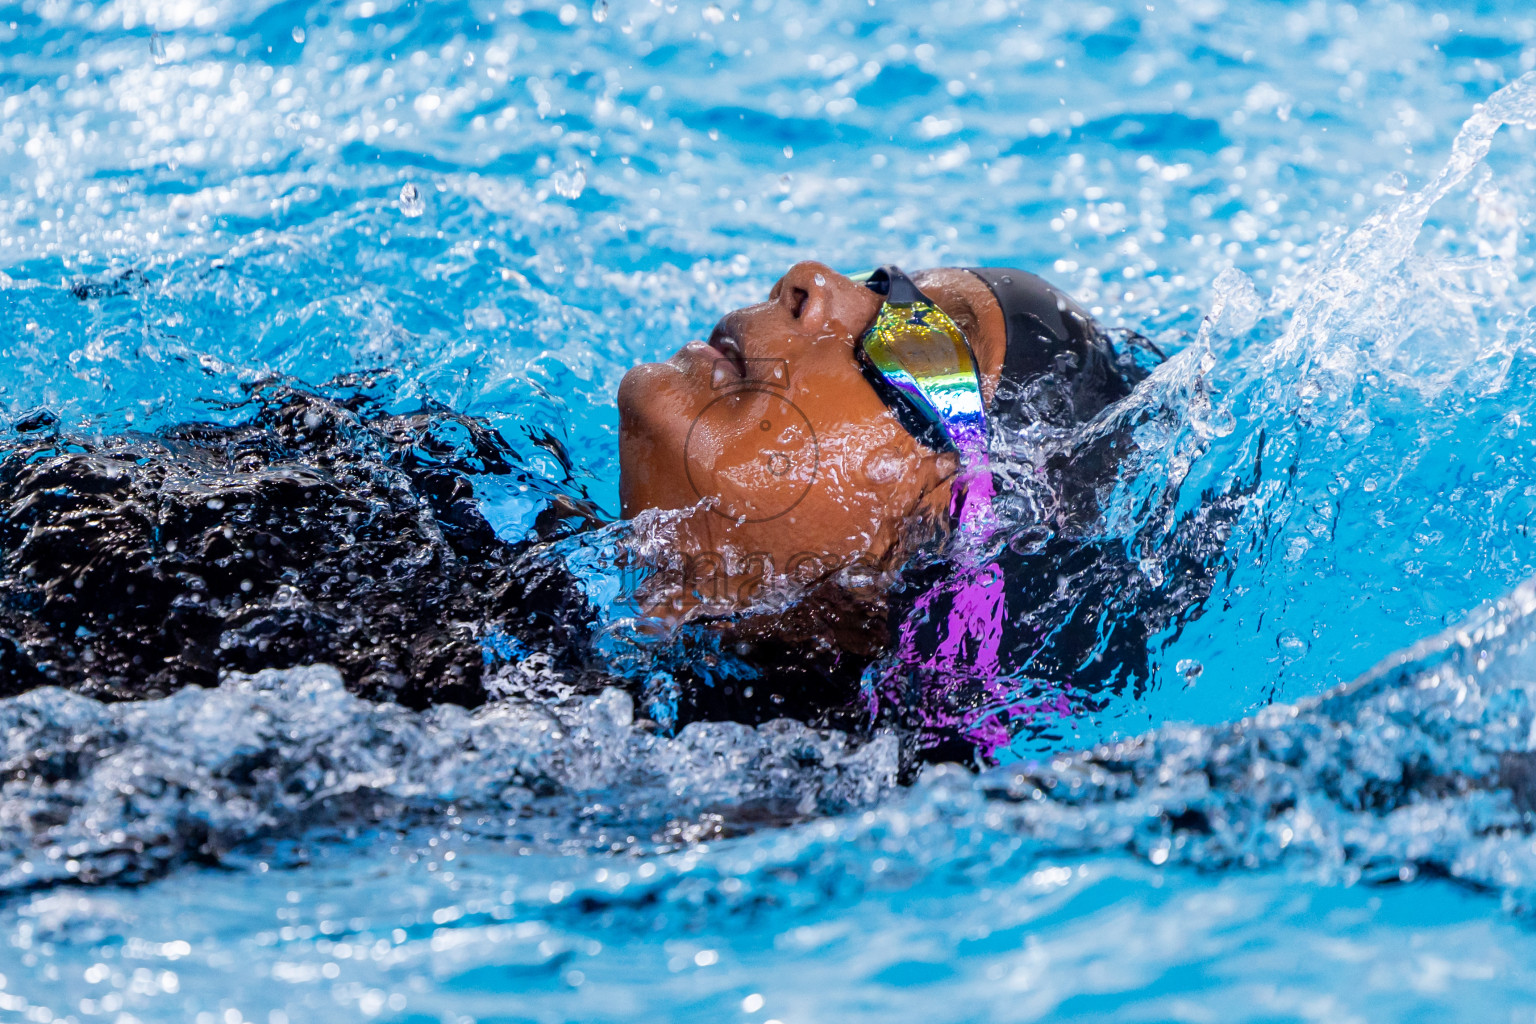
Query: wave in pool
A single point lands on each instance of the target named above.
(1424, 769)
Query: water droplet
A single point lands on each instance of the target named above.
(1291, 646)
(567, 14)
(789, 152)
(298, 34)
(1190, 669)
(820, 281)
(411, 203)
(713, 14)
(600, 11)
(884, 465)
(157, 47)
(571, 183)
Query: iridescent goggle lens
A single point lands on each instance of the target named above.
(923, 366)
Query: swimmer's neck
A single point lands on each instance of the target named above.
(700, 565)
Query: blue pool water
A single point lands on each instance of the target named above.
(501, 206)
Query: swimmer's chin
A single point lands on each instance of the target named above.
(657, 403)
(632, 388)
(648, 379)
(648, 395)
(695, 360)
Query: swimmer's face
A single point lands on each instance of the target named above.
(771, 433)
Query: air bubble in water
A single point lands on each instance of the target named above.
(411, 203)
(713, 14)
(600, 11)
(157, 48)
(1190, 669)
(820, 281)
(298, 34)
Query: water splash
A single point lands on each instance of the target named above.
(1324, 404)
(122, 792)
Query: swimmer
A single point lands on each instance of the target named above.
(818, 503)
(789, 438)
(825, 437)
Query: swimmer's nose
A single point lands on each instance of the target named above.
(805, 292)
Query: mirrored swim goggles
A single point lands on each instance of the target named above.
(922, 365)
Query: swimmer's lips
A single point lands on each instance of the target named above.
(725, 348)
(728, 365)
(730, 349)
(712, 362)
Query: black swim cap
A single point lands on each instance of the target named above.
(1050, 334)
